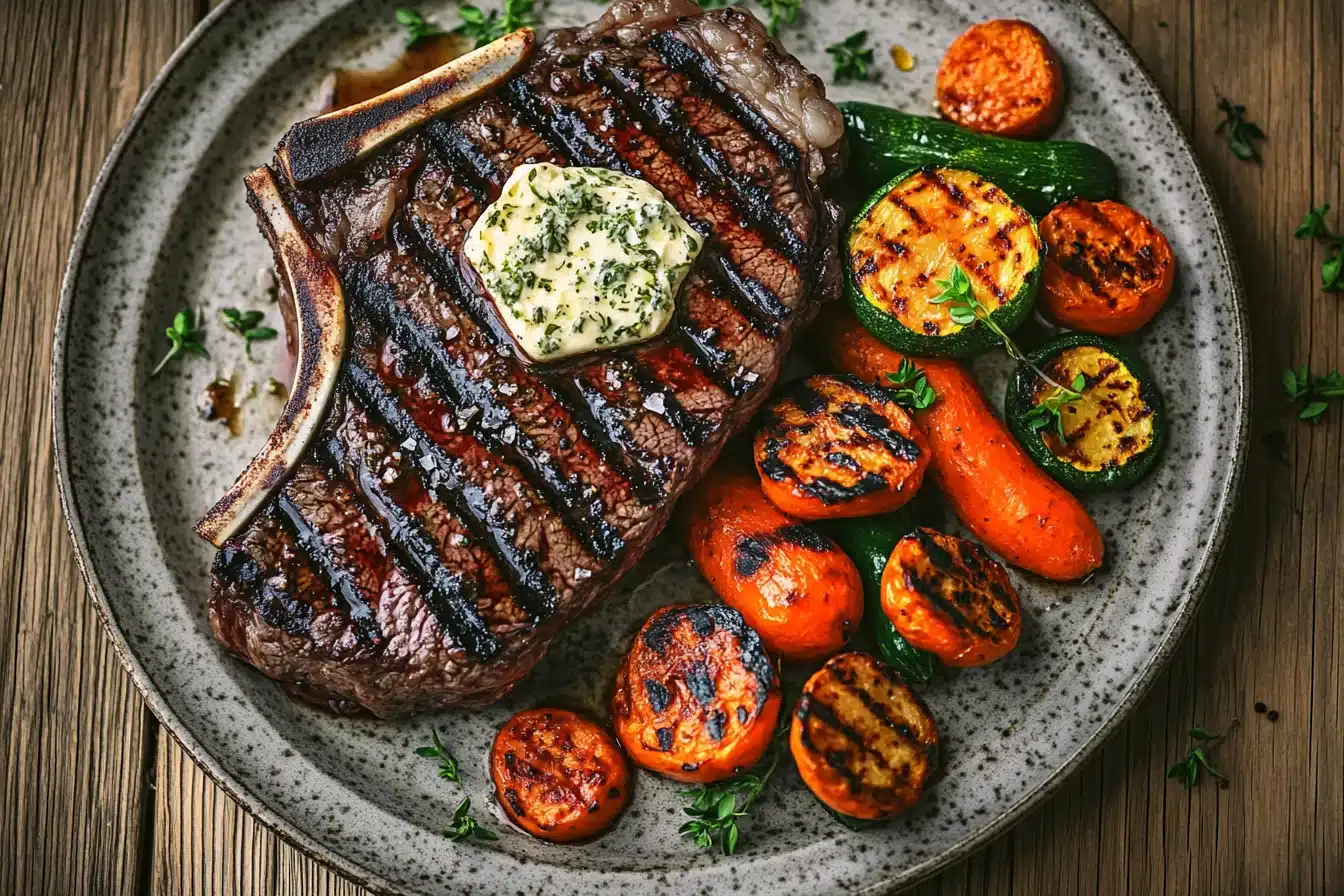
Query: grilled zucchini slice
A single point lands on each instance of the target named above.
(1108, 439)
(863, 743)
(909, 237)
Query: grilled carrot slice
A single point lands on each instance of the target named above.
(1108, 271)
(991, 484)
(559, 776)
(946, 595)
(862, 741)
(800, 592)
(835, 446)
(1002, 77)
(697, 698)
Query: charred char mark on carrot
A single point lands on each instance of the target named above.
(704, 620)
(753, 552)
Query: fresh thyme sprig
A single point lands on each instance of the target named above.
(1313, 227)
(418, 28)
(965, 309)
(852, 57)
(1240, 132)
(1187, 771)
(781, 12)
(484, 28)
(185, 336)
(447, 764)
(245, 324)
(911, 387)
(1313, 392)
(715, 808)
(465, 826)
(1048, 412)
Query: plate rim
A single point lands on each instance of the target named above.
(1226, 506)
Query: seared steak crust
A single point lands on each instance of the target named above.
(459, 507)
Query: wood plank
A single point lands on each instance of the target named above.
(74, 735)
(204, 843)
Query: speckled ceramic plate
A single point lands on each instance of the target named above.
(167, 227)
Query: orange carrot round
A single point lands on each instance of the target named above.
(1002, 77)
(1108, 269)
(559, 776)
(1006, 501)
(834, 446)
(697, 698)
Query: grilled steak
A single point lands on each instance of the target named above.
(458, 507)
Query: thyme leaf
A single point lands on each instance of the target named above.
(447, 764)
(1197, 761)
(418, 28)
(1313, 393)
(185, 338)
(464, 825)
(1313, 227)
(1240, 133)
(912, 390)
(852, 57)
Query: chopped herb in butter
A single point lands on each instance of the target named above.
(581, 259)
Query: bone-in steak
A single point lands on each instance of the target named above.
(457, 507)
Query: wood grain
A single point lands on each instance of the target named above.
(95, 798)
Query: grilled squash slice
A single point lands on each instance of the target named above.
(1107, 439)
(864, 744)
(909, 237)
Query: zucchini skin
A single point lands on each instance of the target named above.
(975, 339)
(1037, 174)
(1018, 402)
(869, 542)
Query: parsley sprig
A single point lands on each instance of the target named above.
(465, 826)
(484, 27)
(1240, 133)
(715, 808)
(911, 387)
(852, 57)
(1188, 770)
(965, 309)
(447, 764)
(246, 325)
(1313, 227)
(1313, 393)
(418, 28)
(185, 336)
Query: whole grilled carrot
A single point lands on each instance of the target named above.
(991, 484)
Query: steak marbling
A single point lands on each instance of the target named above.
(457, 507)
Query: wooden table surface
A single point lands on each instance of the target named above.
(95, 797)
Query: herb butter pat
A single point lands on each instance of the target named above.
(581, 259)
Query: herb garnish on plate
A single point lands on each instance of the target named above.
(965, 309)
(852, 57)
(464, 825)
(911, 387)
(484, 28)
(246, 325)
(418, 28)
(185, 336)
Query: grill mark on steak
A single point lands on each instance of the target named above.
(706, 134)
(447, 592)
(722, 337)
(469, 371)
(335, 568)
(476, 504)
(595, 130)
(683, 58)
